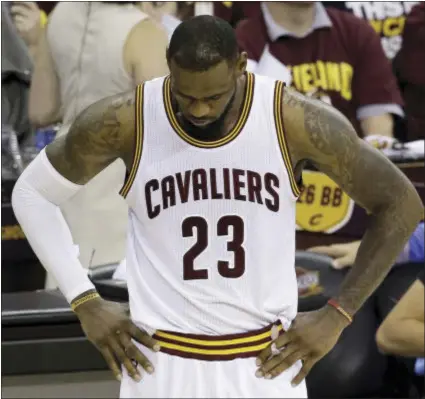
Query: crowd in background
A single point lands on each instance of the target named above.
(367, 59)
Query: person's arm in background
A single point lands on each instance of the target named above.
(375, 89)
(382, 125)
(29, 21)
(344, 254)
(402, 332)
(44, 98)
(144, 51)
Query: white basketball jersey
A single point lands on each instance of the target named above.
(211, 240)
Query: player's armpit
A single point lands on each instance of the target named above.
(102, 133)
(322, 135)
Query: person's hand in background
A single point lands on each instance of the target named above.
(343, 254)
(27, 18)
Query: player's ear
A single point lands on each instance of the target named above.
(241, 63)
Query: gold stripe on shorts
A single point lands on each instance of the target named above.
(130, 176)
(278, 117)
(249, 95)
(218, 348)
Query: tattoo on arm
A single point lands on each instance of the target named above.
(100, 134)
(328, 140)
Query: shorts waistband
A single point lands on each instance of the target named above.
(216, 347)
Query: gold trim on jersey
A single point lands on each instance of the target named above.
(131, 175)
(237, 128)
(278, 118)
(227, 347)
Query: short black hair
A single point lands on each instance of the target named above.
(202, 42)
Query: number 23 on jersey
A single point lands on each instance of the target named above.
(231, 226)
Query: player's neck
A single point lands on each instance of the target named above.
(295, 18)
(236, 108)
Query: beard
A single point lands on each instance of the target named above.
(211, 132)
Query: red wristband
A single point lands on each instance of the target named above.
(336, 305)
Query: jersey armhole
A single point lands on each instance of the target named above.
(283, 145)
(138, 145)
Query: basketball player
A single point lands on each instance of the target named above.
(214, 157)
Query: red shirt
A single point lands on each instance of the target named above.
(344, 62)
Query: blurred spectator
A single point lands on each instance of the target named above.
(235, 11)
(402, 332)
(92, 50)
(387, 18)
(165, 13)
(28, 19)
(168, 13)
(328, 54)
(409, 65)
(16, 69)
(46, 6)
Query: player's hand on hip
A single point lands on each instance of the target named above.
(311, 336)
(108, 326)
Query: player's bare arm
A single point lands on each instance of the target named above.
(321, 135)
(326, 138)
(101, 134)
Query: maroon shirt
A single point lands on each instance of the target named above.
(46, 6)
(345, 62)
(411, 65)
(235, 11)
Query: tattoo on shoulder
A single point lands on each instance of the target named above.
(293, 98)
(334, 138)
(99, 135)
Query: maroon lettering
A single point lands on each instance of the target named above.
(226, 181)
(214, 190)
(271, 182)
(199, 182)
(151, 185)
(189, 226)
(183, 185)
(254, 187)
(238, 184)
(168, 192)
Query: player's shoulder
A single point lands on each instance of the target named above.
(265, 82)
(154, 85)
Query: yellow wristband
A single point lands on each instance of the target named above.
(84, 299)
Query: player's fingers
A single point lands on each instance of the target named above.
(307, 366)
(134, 353)
(283, 340)
(111, 361)
(285, 357)
(143, 337)
(118, 350)
(284, 364)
